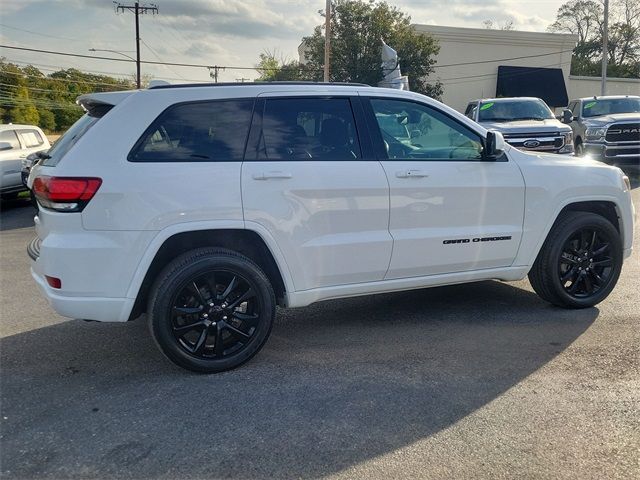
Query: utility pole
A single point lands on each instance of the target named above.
(327, 40)
(605, 48)
(214, 72)
(137, 10)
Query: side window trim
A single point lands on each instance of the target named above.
(378, 142)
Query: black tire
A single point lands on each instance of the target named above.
(563, 275)
(236, 318)
(579, 149)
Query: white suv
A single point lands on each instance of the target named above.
(207, 206)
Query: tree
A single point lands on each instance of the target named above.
(585, 18)
(506, 25)
(271, 68)
(357, 27)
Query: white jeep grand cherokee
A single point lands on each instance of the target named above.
(207, 206)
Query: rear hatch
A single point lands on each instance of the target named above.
(96, 106)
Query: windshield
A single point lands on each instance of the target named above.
(510, 110)
(597, 107)
(69, 139)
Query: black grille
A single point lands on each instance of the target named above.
(624, 132)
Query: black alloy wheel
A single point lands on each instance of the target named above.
(211, 310)
(585, 265)
(215, 315)
(580, 261)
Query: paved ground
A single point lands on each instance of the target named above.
(471, 381)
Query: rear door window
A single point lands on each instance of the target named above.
(211, 131)
(9, 136)
(308, 129)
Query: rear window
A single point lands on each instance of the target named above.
(31, 138)
(71, 136)
(211, 131)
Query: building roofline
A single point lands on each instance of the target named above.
(486, 35)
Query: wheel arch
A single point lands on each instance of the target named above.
(245, 241)
(606, 207)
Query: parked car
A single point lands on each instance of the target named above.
(219, 202)
(16, 143)
(607, 128)
(526, 123)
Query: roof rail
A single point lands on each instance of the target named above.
(239, 84)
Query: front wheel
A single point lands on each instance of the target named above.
(211, 310)
(580, 261)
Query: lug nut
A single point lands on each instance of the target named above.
(211, 304)
(205, 315)
(224, 318)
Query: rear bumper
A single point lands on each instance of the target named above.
(87, 308)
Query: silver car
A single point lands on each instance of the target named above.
(17, 142)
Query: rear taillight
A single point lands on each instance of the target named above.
(65, 194)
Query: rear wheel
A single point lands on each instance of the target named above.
(579, 149)
(211, 310)
(579, 263)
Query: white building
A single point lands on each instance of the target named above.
(470, 58)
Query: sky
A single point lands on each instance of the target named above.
(211, 32)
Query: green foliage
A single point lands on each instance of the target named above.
(29, 96)
(271, 68)
(585, 18)
(357, 27)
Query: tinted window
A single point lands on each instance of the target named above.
(432, 135)
(214, 131)
(9, 136)
(31, 138)
(509, 110)
(308, 129)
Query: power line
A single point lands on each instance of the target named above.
(229, 67)
(66, 80)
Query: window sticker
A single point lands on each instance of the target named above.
(590, 104)
(487, 106)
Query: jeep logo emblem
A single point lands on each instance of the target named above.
(531, 143)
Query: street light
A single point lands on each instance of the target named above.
(119, 53)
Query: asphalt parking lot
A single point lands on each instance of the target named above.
(471, 381)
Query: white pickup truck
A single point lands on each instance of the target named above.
(205, 206)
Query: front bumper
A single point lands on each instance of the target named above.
(615, 154)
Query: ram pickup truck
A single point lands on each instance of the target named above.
(607, 128)
(526, 123)
(219, 202)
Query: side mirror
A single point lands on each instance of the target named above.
(5, 146)
(494, 144)
(567, 116)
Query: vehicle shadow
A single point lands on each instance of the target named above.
(16, 213)
(338, 383)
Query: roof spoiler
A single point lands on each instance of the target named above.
(97, 104)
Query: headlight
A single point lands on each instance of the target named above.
(596, 133)
(568, 143)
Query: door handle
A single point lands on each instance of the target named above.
(269, 175)
(411, 174)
